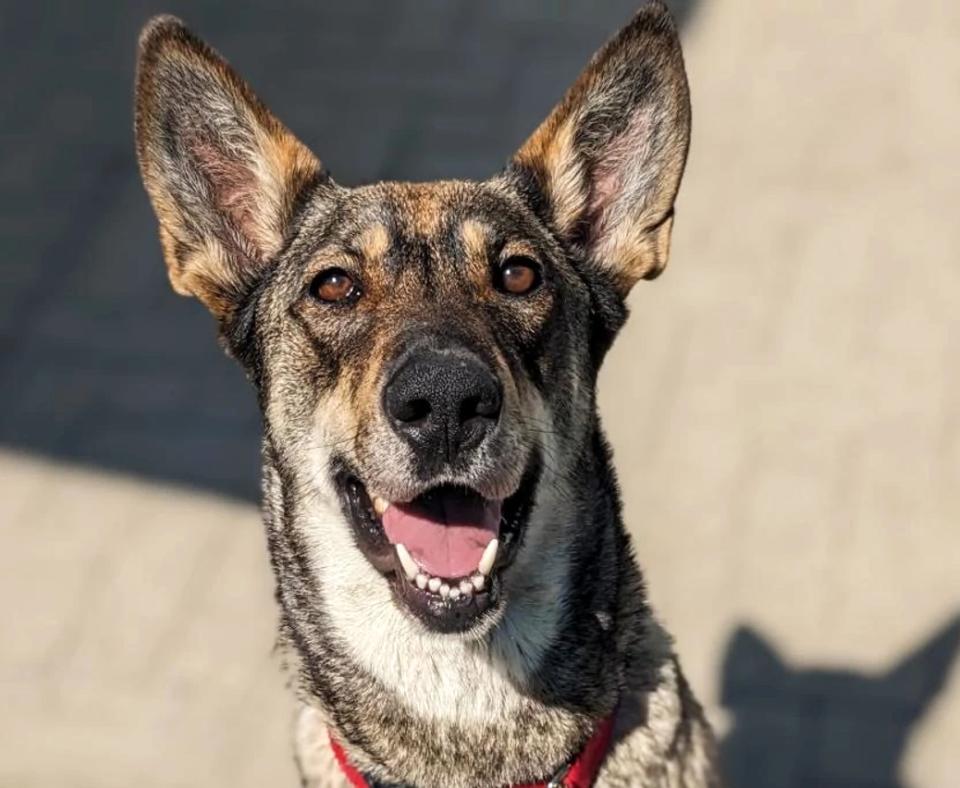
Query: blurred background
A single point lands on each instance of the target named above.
(784, 403)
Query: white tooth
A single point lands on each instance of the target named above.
(444, 590)
(466, 587)
(454, 593)
(421, 580)
(410, 567)
(434, 584)
(489, 556)
(478, 582)
(379, 505)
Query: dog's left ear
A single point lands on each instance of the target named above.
(606, 164)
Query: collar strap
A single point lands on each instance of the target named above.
(579, 773)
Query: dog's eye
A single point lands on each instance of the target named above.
(334, 285)
(519, 275)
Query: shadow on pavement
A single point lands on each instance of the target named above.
(100, 363)
(830, 728)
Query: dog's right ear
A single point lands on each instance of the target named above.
(223, 174)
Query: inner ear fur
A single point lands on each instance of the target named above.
(223, 174)
(607, 162)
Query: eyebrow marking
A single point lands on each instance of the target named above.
(474, 234)
(374, 241)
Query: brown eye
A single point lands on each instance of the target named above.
(519, 275)
(334, 286)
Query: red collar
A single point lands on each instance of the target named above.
(580, 774)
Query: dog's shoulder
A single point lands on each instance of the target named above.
(662, 738)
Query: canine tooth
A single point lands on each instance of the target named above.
(466, 587)
(478, 582)
(410, 567)
(421, 580)
(489, 556)
(379, 505)
(454, 593)
(444, 590)
(434, 584)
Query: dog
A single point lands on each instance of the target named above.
(457, 590)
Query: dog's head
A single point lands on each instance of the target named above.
(425, 354)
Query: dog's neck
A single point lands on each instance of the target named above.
(511, 706)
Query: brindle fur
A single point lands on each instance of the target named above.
(248, 217)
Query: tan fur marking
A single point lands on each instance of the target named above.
(374, 241)
(284, 166)
(474, 235)
(349, 412)
(364, 393)
(565, 187)
(640, 253)
(551, 151)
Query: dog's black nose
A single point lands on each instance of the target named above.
(444, 401)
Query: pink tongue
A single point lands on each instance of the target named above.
(446, 535)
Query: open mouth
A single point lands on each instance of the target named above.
(443, 550)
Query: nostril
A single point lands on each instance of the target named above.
(483, 406)
(469, 408)
(489, 407)
(411, 411)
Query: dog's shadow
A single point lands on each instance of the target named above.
(797, 727)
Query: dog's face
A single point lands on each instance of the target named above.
(414, 360)
(425, 354)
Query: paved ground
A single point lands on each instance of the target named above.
(784, 404)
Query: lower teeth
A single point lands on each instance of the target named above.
(466, 587)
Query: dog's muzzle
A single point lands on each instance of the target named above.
(452, 518)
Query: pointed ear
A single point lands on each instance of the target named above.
(606, 164)
(922, 674)
(750, 661)
(223, 174)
